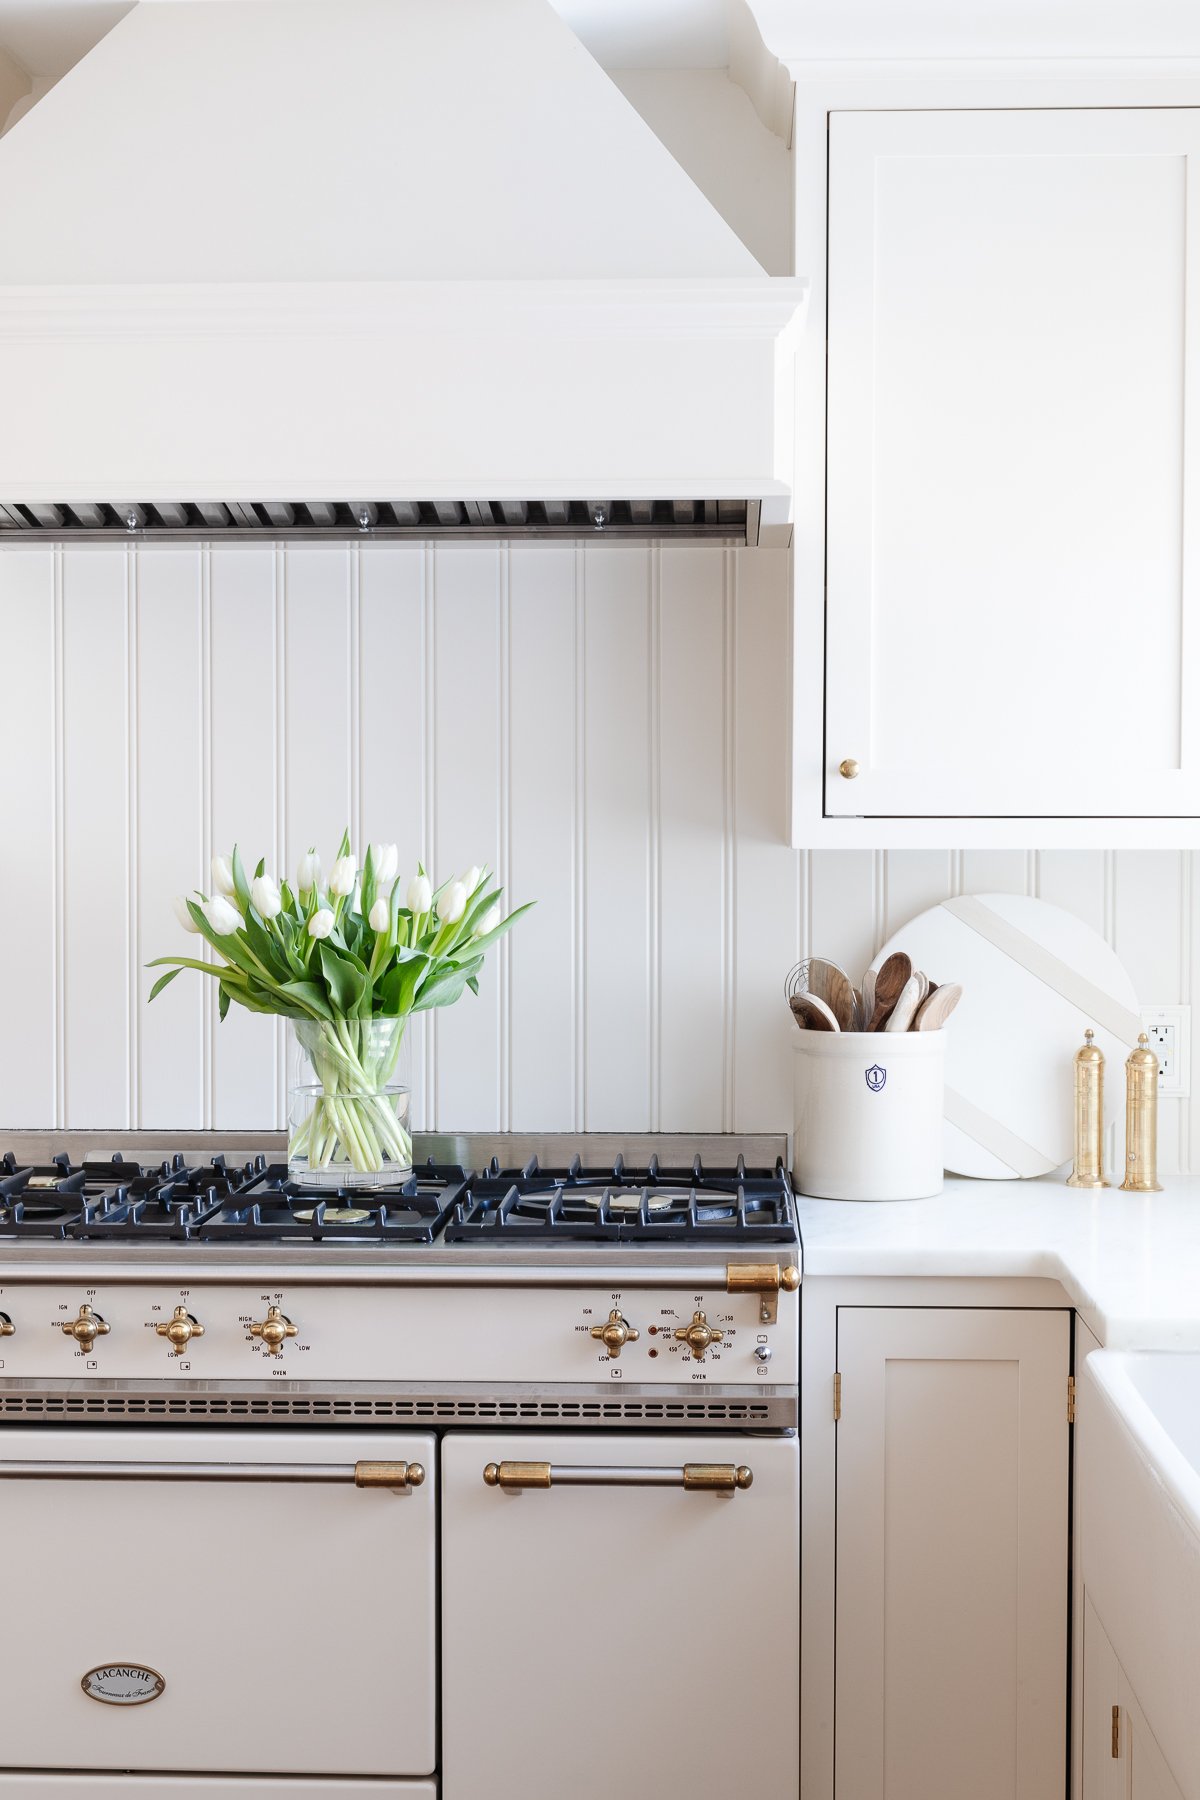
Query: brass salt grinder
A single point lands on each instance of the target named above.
(1141, 1120)
(1088, 1171)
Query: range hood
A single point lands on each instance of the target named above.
(380, 265)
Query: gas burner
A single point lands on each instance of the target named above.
(274, 1208)
(725, 1206)
(108, 1196)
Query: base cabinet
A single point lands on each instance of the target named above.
(952, 1553)
(1121, 1760)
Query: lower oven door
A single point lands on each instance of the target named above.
(34, 1786)
(629, 1629)
(234, 1601)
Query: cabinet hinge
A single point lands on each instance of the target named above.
(1116, 1731)
(1070, 1399)
(837, 1394)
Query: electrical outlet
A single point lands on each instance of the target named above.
(1169, 1029)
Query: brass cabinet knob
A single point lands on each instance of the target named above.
(6, 1325)
(699, 1335)
(180, 1329)
(848, 768)
(617, 1332)
(273, 1330)
(86, 1328)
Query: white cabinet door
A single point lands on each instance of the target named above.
(1012, 588)
(619, 1640)
(1121, 1758)
(952, 1525)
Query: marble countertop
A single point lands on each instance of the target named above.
(1130, 1263)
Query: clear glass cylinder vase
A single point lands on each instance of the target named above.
(349, 1100)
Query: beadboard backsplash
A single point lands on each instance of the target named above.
(606, 725)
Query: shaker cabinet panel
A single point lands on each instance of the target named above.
(1011, 597)
(951, 1576)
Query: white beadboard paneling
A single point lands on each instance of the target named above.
(544, 831)
(770, 876)
(169, 1034)
(95, 894)
(470, 621)
(29, 913)
(606, 725)
(619, 875)
(694, 809)
(245, 1079)
(391, 726)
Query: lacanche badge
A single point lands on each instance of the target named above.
(122, 1684)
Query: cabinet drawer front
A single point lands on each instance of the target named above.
(1011, 303)
(267, 1608)
(620, 1638)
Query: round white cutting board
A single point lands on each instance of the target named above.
(1034, 978)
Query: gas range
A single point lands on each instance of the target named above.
(633, 1292)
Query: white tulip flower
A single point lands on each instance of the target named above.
(222, 876)
(471, 879)
(308, 875)
(264, 891)
(453, 903)
(419, 894)
(489, 921)
(182, 914)
(380, 916)
(343, 875)
(386, 860)
(223, 918)
(321, 923)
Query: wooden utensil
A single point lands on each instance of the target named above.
(868, 1000)
(936, 1009)
(905, 1009)
(890, 980)
(812, 1013)
(838, 995)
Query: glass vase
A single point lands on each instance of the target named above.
(348, 1102)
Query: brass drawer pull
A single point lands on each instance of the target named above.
(709, 1478)
(362, 1474)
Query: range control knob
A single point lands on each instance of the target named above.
(699, 1335)
(6, 1325)
(180, 1329)
(86, 1328)
(273, 1330)
(617, 1332)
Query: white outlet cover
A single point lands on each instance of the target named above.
(1178, 1086)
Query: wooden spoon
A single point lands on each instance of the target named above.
(937, 1008)
(889, 985)
(868, 1000)
(838, 995)
(905, 1009)
(812, 1014)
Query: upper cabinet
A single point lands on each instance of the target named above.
(1010, 643)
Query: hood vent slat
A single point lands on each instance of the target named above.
(383, 519)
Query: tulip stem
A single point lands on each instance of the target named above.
(352, 1122)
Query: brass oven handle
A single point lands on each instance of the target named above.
(362, 1474)
(710, 1478)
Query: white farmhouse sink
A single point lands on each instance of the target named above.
(1139, 1465)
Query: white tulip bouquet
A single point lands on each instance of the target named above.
(347, 961)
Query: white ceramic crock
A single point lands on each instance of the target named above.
(868, 1118)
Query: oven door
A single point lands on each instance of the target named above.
(234, 1601)
(34, 1786)
(619, 1632)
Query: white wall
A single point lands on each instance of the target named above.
(607, 726)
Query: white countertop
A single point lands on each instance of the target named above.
(1129, 1262)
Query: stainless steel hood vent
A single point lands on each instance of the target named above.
(98, 521)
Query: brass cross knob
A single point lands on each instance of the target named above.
(180, 1328)
(86, 1328)
(618, 1331)
(272, 1330)
(6, 1325)
(699, 1335)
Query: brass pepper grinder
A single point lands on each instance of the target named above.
(1089, 1116)
(1141, 1120)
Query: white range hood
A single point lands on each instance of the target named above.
(369, 252)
